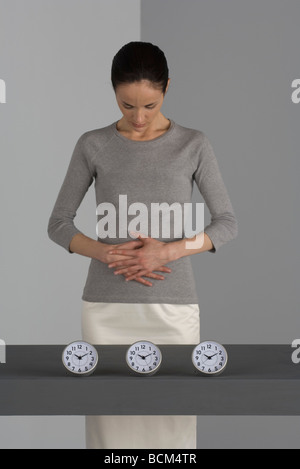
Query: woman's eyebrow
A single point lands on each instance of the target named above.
(127, 104)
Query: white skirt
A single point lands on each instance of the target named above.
(123, 324)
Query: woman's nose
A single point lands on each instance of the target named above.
(138, 118)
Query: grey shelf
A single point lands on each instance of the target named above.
(258, 380)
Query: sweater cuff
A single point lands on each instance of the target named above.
(214, 239)
(62, 234)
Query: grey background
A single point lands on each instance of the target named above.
(231, 66)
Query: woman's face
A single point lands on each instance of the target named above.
(139, 103)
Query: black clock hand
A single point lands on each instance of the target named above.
(211, 356)
(148, 355)
(141, 356)
(80, 357)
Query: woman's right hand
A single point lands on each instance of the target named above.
(150, 275)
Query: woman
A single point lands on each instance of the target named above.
(148, 159)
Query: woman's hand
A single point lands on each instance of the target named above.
(151, 256)
(106, 257)
(109, 258)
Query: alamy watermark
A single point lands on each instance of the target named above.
(2, 351)
(296, 93)
(176, 218)
(296, 353)
(2, 92)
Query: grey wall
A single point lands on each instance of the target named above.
(231, 64)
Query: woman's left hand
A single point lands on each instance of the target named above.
(149, 257)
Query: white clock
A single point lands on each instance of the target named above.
(210, 358)
(80, 358)
(144, 357)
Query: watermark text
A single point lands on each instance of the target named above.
(296, 93)
(2, 351)
(2, 92)
(167, 221)
(296, 353)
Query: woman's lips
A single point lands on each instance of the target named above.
(138, 125)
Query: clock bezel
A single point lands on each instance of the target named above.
(143, 373)
(82, 373)
(212, 373)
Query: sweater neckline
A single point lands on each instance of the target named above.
(144, 142)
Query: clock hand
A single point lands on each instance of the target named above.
(211, 356)
(80, 357)
(141, 356)
(148, 355)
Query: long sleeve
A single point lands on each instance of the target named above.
(79, 177)
(223, 226)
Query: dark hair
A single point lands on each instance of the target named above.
(138, 61)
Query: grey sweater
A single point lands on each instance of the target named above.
(161, 170)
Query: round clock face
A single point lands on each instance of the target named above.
(80, 358)
(143, 357)
(210, 358)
